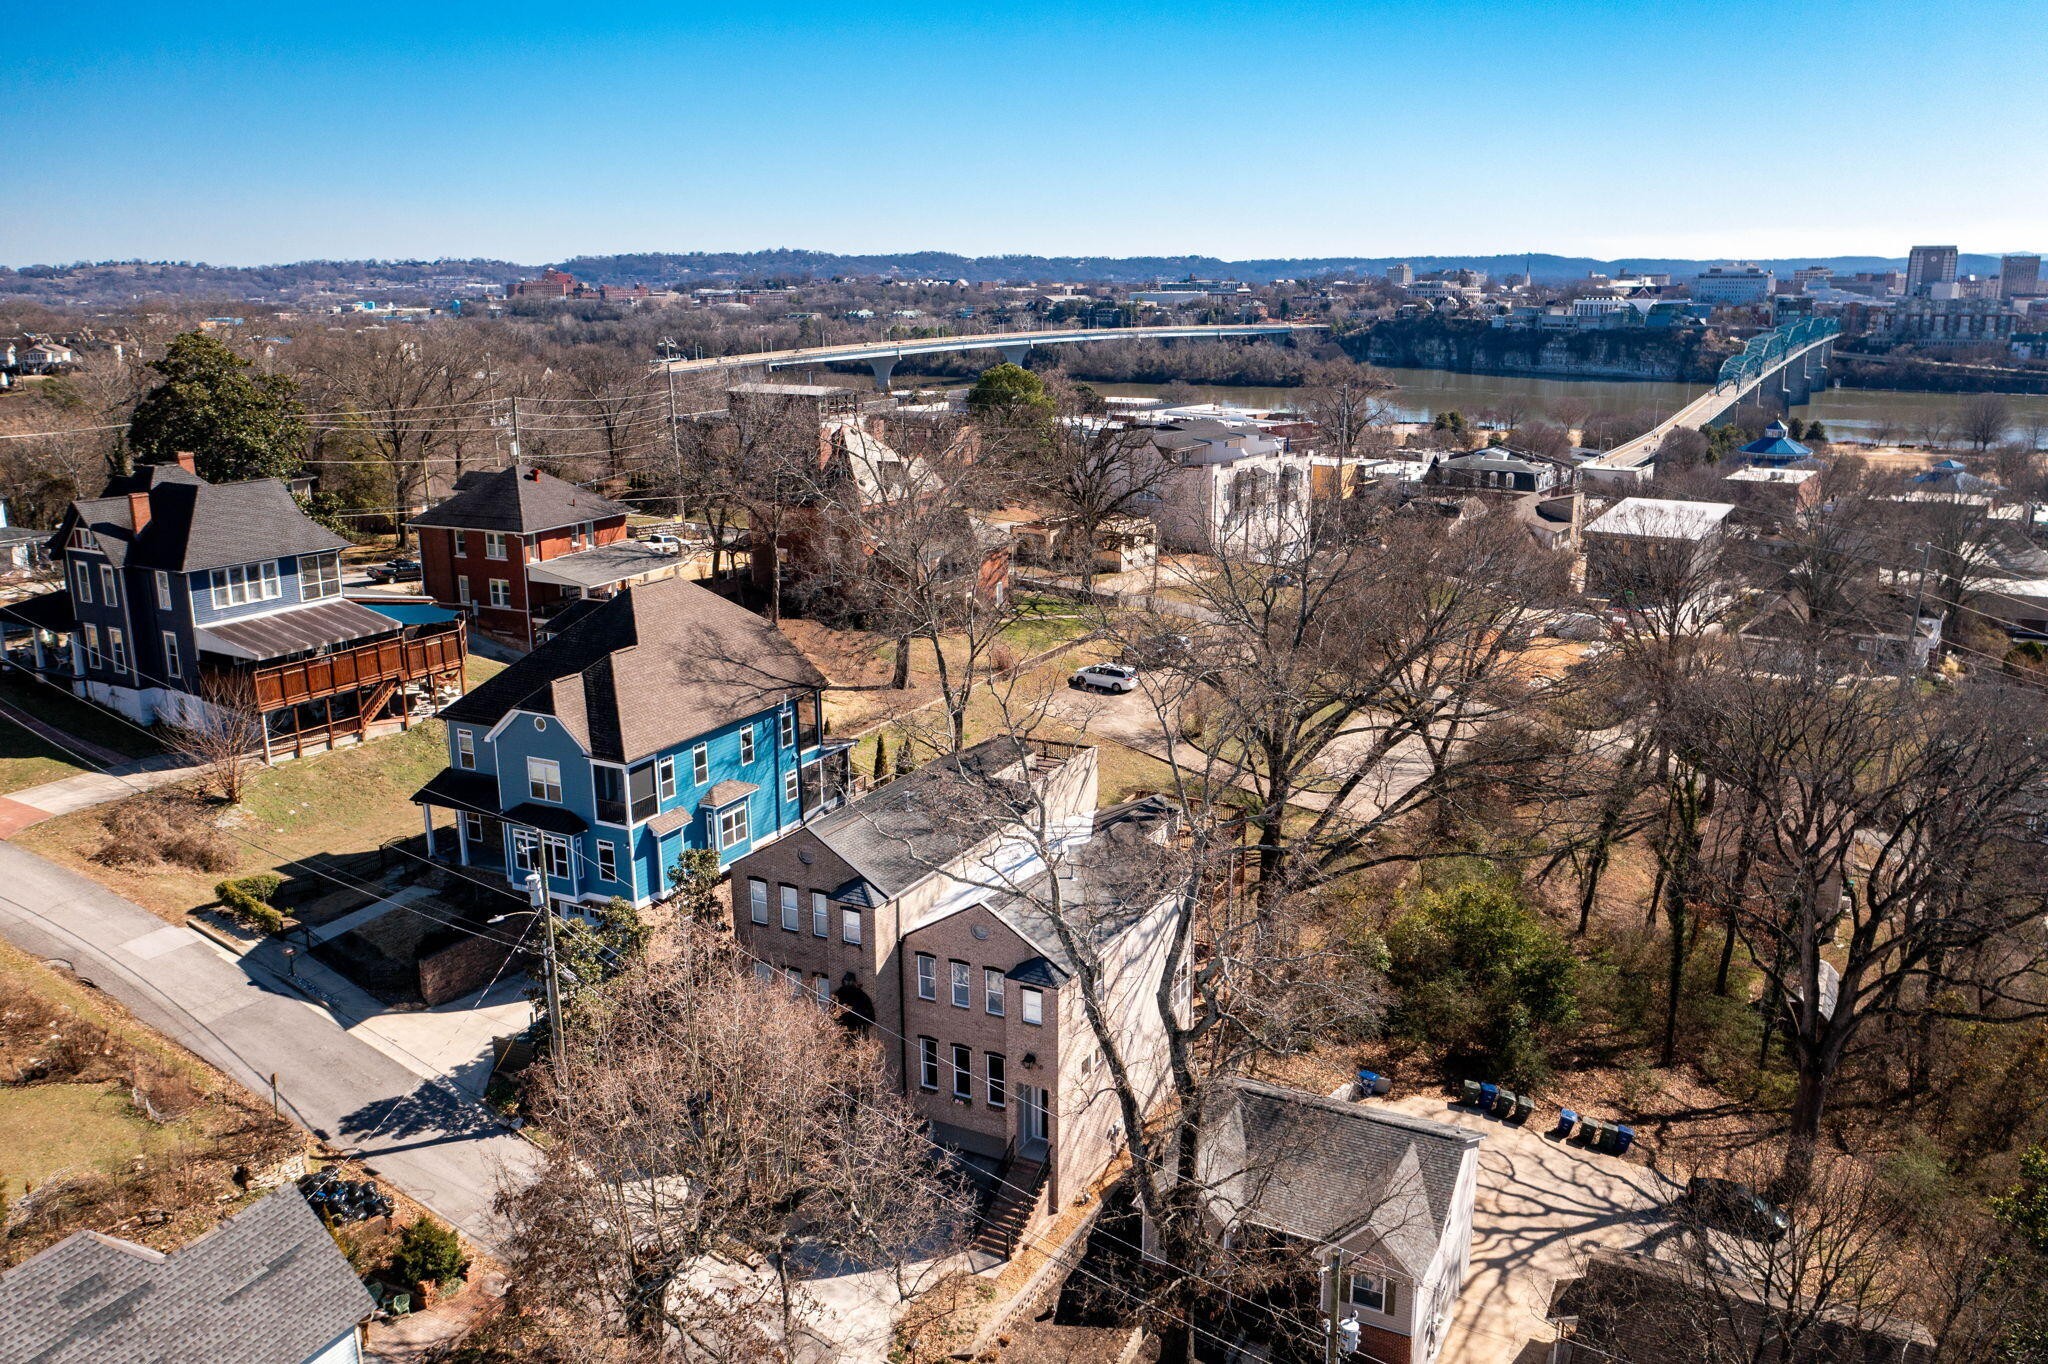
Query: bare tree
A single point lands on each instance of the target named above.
(223, 733)
(1984, 420)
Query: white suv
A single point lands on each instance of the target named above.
(1105, 677)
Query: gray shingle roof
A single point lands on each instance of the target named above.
(660, 663)
(267, 1286)
(1318, 1168)
(620, 562)
(522, 500)
(896, 834)
(195, 525)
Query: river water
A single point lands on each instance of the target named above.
(1863, 413)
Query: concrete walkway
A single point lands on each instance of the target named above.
(427, 1136)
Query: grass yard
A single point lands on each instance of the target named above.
(28, 760)
(48, 1130)
(1044, 623)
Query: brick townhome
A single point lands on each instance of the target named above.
(934, 930)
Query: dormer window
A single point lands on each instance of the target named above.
(319, 576)
(245, 583)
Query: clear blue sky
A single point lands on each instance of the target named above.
(255, 133)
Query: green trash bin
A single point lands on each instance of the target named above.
(1472, 1094)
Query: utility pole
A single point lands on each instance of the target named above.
(515, 430)
(1919, 593)
(551, 980)
(675, 437)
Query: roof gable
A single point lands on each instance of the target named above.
(522, 500)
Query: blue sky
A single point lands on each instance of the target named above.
(245, 133)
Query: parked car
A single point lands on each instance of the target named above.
(1734, 1207)
(1105, 677)
(397, 571)
(667, 544)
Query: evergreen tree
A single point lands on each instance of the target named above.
(238, 423)
(881, 757)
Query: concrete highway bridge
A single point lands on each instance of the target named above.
(1786, 364)
(1012, 346)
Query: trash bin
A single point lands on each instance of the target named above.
(1489, 1094)
(1472, 1099)
(1505, 1106)
(1367, 1079)
(1525, 1106)
(1624, 1137)
(1566, 1121)
(1382, 1084)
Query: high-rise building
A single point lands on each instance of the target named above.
(1401, 275)
(2019, 276)
(1930, 265)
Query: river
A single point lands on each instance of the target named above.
(1862, 413)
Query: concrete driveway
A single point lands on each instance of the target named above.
(1539, 1203)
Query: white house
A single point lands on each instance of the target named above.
(1230, 488)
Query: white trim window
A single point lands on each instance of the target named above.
(523, 843)
(747, 746)
(962, 979)
(665, 778)
(473, 826)
(764, 973)
(92, 645)
(117, 649)
(788, 727)
(849, 925)
(172, 665)
(927, 976)
(757, 900)
(244, 583)
(459, 545)
(465, 749)
(501, 592)
(1031, 1006)
(82, 589)
(544, 780)
(462, 589)
(557, 850)
(732, 825)
(319, 576)
(110, 585)
(821, 915)
(700, 764)
(494, 544)
(608, 861)
(1368, 1292)
(821, 986)
(789, 789)
(992, 990)
(928, 1062)
(963, 1071)
(790, 911)
(163, 590)
(998, 1078)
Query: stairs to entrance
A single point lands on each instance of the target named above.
(1009, 1205)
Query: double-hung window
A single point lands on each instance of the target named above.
(963, 987)
(557, 849)
(494, 544)
(501, 592)
(928, 1062)
(849, 924)
(963, 1072)
(83, 586)
(1371, 1292)
(608, 860)
(1031, 1005)
(163, 590)
(757, 900)
(171, 662)
(544, 779)
(764, 973)
(992, 990)
(927, 976)
(522, 849)
(461, 543)
(998, 1080)
(821, 915)
(245, 583)
(92, 646)
(110, 585)
(465, 749)
(462, 589)
(789, 791)
(117, 650)
(665, 778)
(747, 746)
(700, 764)
(789, 909)
(319, 576)
(788, 728)
(732, 825)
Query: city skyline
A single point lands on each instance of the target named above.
(533, 135)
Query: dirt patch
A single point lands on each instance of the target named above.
(1043, 1342)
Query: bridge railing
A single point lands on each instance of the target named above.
(1761, 354)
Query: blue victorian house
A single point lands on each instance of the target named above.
(666, 718)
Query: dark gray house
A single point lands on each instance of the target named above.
(1503, 469)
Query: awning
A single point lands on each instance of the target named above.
(454, 789)
(44, 611)
(300, 630)
(668, 821)
(625, 561)
(726, 792)
(552, 818)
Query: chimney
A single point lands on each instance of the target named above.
(138, 510)
(531, 475)
(188, 462)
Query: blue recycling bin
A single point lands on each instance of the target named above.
(1366, 1080)
(1566, 1121)
(1624, 1137)
(1488, 1096)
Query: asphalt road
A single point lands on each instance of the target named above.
(426, 1137)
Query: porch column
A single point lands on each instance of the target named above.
(461, 838)
(427, 818)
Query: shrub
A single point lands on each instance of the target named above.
(428, 1253)
(248, 899)
(161, 828)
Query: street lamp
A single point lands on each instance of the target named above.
(536, 897)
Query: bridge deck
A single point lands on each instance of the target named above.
(938, 345)
(1633, 456)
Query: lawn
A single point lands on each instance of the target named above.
(52, 1129)
(27, 760)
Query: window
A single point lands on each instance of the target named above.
(522, 849)
(607, 860)
(963, 1072)
(609, 784)
(494, 544)
(789, 909)
(244, 583)
(962, 980)
(557, 850)
(465, 749)
(544, 779)
(583, 535)
(821, 915)
(461, 543)
(1369, 1292)
(700, 764)
(319, 577)
(501, 592)
(928, 1062)
(849, 924)
(110, 592)
(992, 990)
(117, 648)
(1033, 1007)
(789, 792)
(171, 665)
(732, 826)
(747, 746)
(640, 790)
(757, 899)
(473, 826)
(665, 778)
(796, 981)
(788, 727)
(764, 973)
(998, 1081)
(927, 976)
(163, 590)
(822, 988)
(83, 588)
(92, 646)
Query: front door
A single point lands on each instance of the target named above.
(1030, 1113)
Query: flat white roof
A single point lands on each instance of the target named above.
(1661, 518)
(1757, 473)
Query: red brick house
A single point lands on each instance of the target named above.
(514, 547)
